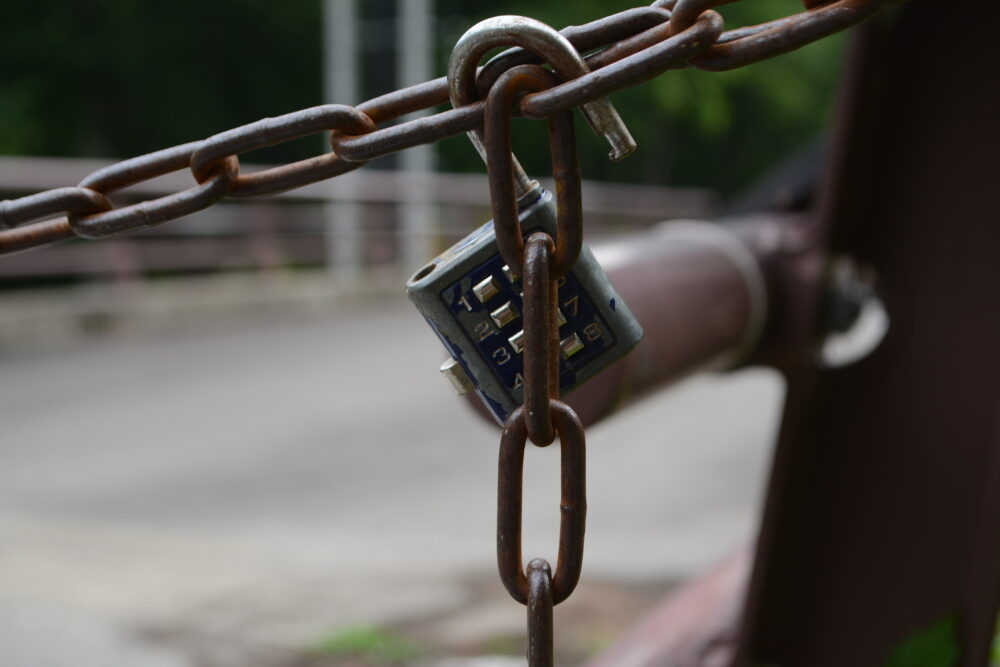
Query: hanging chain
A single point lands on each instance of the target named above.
(629, 47)
(541, 262)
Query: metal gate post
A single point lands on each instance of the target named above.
(883, 511)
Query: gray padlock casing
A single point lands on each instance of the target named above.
(473, 303)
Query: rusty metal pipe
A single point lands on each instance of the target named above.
(702, 295)
(699, 293)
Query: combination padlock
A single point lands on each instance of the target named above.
(473, 303)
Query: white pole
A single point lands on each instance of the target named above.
(414, 64)
(340, 85)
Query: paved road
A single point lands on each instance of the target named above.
(173, 500)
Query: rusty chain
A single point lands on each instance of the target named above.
(541, 262)
(624, 49)
(630, 47)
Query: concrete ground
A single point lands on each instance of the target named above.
(232, 494)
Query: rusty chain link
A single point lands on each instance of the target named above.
(541, 339)
(572, 504)
(540, 635)
(565, 170)
(632, 46)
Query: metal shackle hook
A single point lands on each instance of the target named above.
(547, 43)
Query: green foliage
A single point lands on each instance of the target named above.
(118, 78)
(124, 77)
(995, 653)
(933, 646)
(372, 644)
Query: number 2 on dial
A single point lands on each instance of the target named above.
(484, 330)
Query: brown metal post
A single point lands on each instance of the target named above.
(700, 293)
(883, 513)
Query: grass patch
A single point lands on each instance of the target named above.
(503, 645)
(370, 643)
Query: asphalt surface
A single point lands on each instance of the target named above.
(224, 495)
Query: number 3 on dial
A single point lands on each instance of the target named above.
(501, 356)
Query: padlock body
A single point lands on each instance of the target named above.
(474, 304)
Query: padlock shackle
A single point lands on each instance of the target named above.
(547, 43)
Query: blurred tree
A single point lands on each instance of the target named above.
(117, 78)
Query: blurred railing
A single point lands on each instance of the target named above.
(291, 229)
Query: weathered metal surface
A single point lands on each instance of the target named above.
(755, 43)
(44, 204)
(882, 512)
(572, 503)
(540, 637)
(565, 171)
(588, 37)
(157, 211)
(707, 297)
(541, 338)
(675, 51)
(444, 292)
(645, 203)
(38, 234)
(695, 626)
(557, 52)
(541, 262)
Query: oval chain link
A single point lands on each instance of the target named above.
(161, 209)
(271, 131)
(565, 171)
(572, 504)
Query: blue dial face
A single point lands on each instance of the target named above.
(487, 305)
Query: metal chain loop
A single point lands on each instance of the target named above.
(641, 43)
(572, 504)
(565, 171)
(752, 44)
(162, 209)
(138, 169)
(685, 13)
(541, 339)
(59, 200)
(540, 636)
(270, 131)
(426, 129)
(34, 235)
